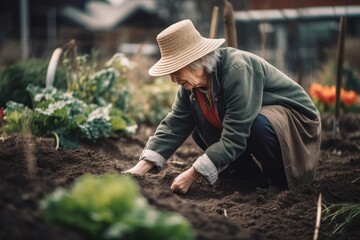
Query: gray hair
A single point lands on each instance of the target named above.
(208, 62)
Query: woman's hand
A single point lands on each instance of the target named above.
(141, 167)
(183, 182)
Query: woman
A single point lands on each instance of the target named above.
(236, 106)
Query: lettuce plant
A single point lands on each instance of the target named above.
(110, 206)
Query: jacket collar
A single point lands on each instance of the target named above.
(216, 76)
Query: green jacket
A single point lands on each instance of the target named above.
(241, 84)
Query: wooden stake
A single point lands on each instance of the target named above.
(340, 60)
(229, 22)
(214, 22)
(318, 218)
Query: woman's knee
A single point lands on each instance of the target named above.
(261, 130)
(264, 145)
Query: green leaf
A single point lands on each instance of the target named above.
(117, 124)
(104, 80)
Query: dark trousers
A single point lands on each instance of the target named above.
(262, 144)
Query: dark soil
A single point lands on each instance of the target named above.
(31, 168)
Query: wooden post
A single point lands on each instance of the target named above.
(214, 22)
(24, 29)
(339, 68)
(229, 22)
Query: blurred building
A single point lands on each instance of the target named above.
(126, 26)
(296, 36)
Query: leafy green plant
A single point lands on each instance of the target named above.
(107, 85)
(344, 216)
(93, 106)
(151, 102)
(110, 206)
(16, 77)
(68, 118)
(18, 117)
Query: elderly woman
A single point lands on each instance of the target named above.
(238, 108)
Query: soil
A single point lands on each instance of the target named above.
(31, 168)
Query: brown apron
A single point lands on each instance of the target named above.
(300, 139)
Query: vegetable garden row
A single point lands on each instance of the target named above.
(99, 108)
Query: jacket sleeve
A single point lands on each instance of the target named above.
(173, 130)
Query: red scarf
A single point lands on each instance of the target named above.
(209, 112)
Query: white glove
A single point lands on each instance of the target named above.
(183, 182)
(141, 168)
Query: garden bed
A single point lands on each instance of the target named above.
(231, 209)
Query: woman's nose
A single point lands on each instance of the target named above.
(173, 77)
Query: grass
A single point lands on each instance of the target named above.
(344, 216)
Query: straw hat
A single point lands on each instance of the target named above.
(181, 44)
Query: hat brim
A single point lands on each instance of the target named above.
(168, 65)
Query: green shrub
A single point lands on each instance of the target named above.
(15, 78)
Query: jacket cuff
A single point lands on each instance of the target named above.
(153, 157)
(206, 167)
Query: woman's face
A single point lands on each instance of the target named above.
(189, 78)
